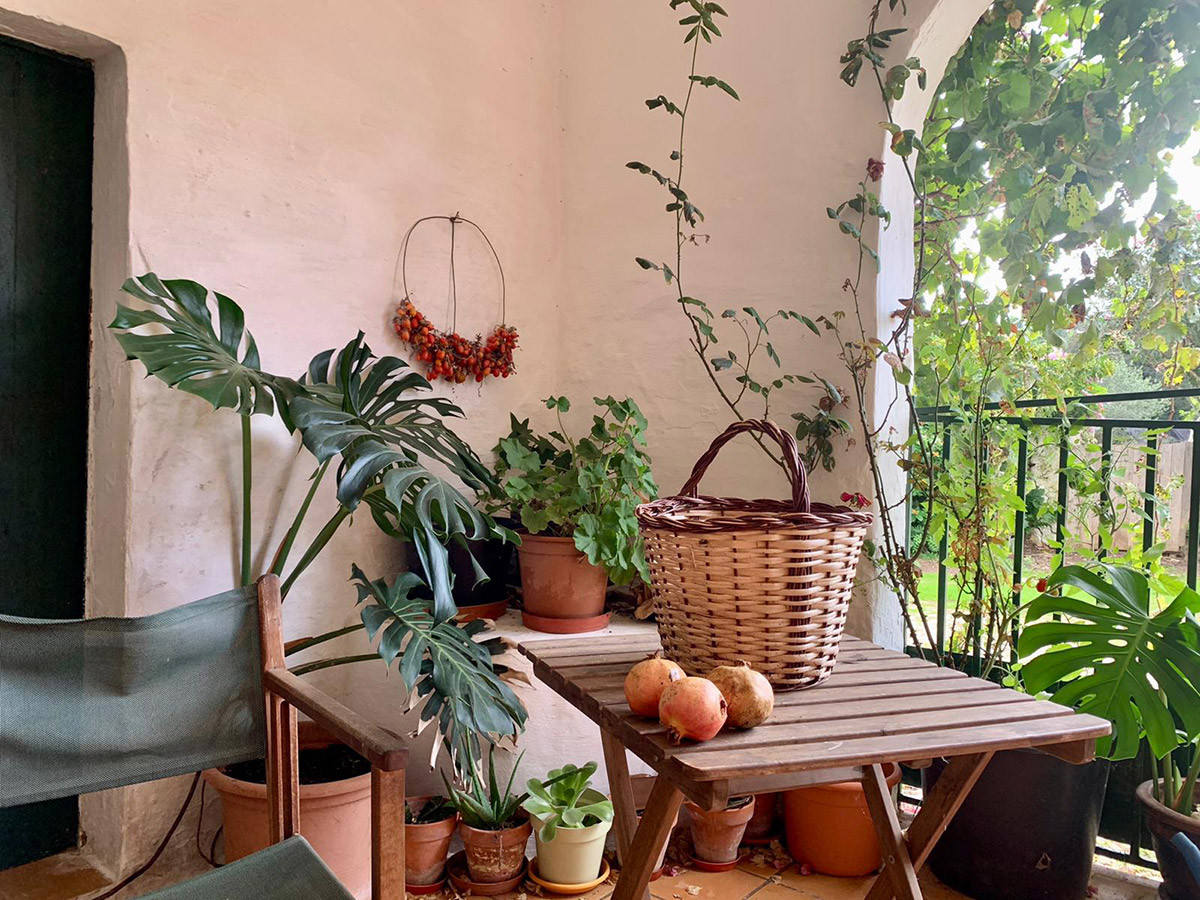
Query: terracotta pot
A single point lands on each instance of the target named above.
(717, 834)
(662, 854)
(1176, 840)
(335, 817)
(761, 828)
(829, 827)
(558, 582)
(494, 856)
(426, 846)
(575, 854)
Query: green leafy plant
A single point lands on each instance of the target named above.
(378, 419)
(564, 800)
(1103, 647)
(585, 488)
(482, 804)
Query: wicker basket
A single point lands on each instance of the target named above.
(765, 581)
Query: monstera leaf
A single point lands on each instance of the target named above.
(441, 662)
(1112, 655)
(188, 351)
(364, 410)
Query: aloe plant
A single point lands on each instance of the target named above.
(482, 804)
(1105, 649)
(556, 800)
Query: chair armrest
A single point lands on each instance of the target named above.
(381, 748)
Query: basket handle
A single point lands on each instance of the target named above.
(791, 460)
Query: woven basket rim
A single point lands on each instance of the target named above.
(691, 514)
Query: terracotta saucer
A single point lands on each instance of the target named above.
(551, 625)
(426, 888)
(705, 866)
(460, 877)
(482, 611)
(568, 888)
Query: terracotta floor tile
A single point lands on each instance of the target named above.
(732, 885)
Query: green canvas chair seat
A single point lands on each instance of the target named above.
(286, 871)
(91, 704)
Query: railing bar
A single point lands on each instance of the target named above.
(1105, 481)
(1060, 519)
(1019, 532)
(1149, 503)
(943, 552)
(1193, 532)
(1086, 399)
(1141, 424)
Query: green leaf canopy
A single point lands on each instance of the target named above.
(1110, 654)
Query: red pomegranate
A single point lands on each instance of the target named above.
(692, 708)
(747, 693)
(647, 680)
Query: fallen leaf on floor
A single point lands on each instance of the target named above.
(776, 878)
(693, 889)
(522, 896)
(805, 869)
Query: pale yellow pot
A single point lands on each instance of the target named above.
(574, 856)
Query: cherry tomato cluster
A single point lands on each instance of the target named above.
(451, 356)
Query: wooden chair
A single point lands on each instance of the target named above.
(160, 687)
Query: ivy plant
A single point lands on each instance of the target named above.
(586, 488)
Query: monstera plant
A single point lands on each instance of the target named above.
(379, 421)
(1100, 641)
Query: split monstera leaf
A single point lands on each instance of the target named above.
(1104, 647)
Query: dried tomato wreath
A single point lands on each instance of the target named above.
(449, 355)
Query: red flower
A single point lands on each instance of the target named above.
(1041, 585)
(847, 496)
(874, 169)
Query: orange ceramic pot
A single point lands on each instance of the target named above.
(717, 834)
(558, 583)
(426, 846)
(335, 817)
(829, 827)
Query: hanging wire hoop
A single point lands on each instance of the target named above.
(448, 354)
(402, 264)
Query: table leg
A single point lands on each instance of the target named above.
(625, 810)
(898, 867)
(657, 820)
(930, 823)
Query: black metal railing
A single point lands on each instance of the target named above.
(1070, 416)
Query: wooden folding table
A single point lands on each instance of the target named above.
(879, 706)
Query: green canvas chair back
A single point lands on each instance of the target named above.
(89, 704)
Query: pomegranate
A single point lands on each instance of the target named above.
(747, 693)
(692, 708)
(646, 681)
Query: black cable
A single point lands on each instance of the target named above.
(161, 847)
(211, 856)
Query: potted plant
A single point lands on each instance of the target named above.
(375, 424)
(571, 820)
(1110, 642)
(1172, 813)
(428, 829)
(575, 499)
(717, 834)
(493, 826)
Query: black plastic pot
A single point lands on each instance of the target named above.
(1176, 840)
(495, 557)
(1027, 831)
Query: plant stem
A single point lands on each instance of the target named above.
(317, 545)
(247, 484)
(1185, 802)
(289, 539)
(330, 663)
(322, 638)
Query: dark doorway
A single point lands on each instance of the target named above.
(46, 112)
